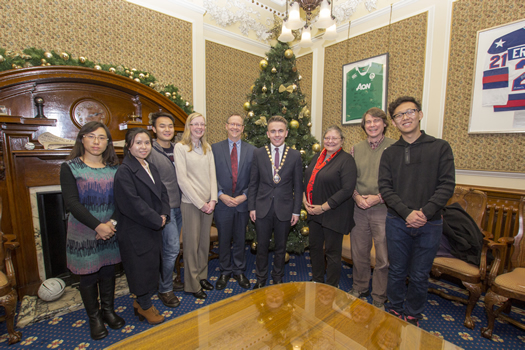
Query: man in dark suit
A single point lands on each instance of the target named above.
(274, 197)
(233, 161)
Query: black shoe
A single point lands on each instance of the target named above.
(206, 285)
(107, 303)
(222, 282)
(169, 299)
(243, 281)
(89, 296)
(178, 286)
(200, 294)
(259, 285)
(277, 282)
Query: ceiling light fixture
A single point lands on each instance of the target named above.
(293, 20)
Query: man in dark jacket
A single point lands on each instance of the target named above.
(162, 156)
(416, 179)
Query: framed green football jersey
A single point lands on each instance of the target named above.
(364, 87)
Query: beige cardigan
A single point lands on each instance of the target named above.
(196, 175)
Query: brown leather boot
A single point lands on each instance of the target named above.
(151, 315)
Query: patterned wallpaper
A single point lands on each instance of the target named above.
(405, 41)
(229, 75)
(491, 152)
(105, 31)
(304, 66)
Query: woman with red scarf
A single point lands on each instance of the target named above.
(329, 182)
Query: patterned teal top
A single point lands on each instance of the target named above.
(85, 253)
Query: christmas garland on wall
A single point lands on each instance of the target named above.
(35, 57)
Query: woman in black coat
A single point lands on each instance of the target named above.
(143, 208)
(329, 185)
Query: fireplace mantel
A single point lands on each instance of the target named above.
(25, 163)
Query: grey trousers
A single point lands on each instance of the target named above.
(196, 244)
(370, 227)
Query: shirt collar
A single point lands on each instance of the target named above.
(375, 144)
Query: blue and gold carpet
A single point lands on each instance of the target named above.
(442, 317)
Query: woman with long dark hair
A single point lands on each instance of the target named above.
(143, 210)
(92, 250)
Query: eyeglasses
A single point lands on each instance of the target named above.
(93, 137)
(235, 125)
(330, 139)
(409, 113)
(199, 125)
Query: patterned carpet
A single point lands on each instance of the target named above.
(442, 317)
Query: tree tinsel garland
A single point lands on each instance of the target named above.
(277, 91)
(36, 57)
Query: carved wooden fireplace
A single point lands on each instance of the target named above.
(69, 97)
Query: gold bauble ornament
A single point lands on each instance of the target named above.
(28, 64)
(127, 71)
(141, 76)
(131, 76)
(264, 88)
(112, 70)
(151, 85)
(13, 66)
(304, 213)
(316, 147)
(43, 60)
(187, 104)
(48, 55)
(137, 80)
(133, 70)
(274, 70)
(252, 87)
(18, 66)
(294, 87)
(167, 94)
(97, 67)
(284, 110)
(263, 64)
(309, 124)
(300, 77)
(266, 58)
(302, 151)
(307, 113)
(305, 231)
(254, 245)
(286, 257)
(251, 114)
(64, 56)
(288, 53)
(48, 64)
(2, 59)
(82, 59)
(294, 69)
(246, 106)
(294, 124)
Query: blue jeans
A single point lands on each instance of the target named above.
(411, 252)
(170, 249)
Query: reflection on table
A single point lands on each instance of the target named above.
(296, 315)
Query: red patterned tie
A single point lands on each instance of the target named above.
(233, 157)
(276, 160)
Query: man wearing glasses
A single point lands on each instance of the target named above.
(233, 161)
(416, 179)
(370, 210)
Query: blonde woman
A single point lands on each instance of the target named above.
(197, 180)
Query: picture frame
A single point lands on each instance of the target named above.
(365, 85)
(498, 87)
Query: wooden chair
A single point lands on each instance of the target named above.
(473, 277)
(509, 286)
(8, 295)
(346, 254)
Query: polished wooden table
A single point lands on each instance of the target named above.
(295, 315)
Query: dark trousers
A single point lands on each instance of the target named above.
(231, 226)
(332, 242)
(264, 227)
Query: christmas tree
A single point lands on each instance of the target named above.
(277, 92)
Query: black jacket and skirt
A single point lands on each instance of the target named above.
(140, 204)
(335, 184)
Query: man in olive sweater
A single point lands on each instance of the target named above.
(416, 179)
(370, 210)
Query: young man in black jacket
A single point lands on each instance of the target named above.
(416, 179)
